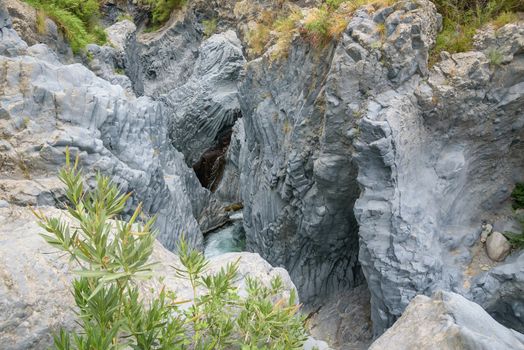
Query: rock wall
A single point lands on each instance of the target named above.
(437, 155)
(43, 110)
(297, 179)
(435, 152)
(352, 160)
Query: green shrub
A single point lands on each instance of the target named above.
(518, 196)
(462, 18)
(210, 26)
(495, 57)
(77, 19)
(517, 239)
(161, 10)
(111, 256)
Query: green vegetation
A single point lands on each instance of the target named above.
(518, 196)
(462, 18)
(125, 16)
(517, 239)
(320, 26)
(495, 57)
(111, 256)
(161, 10)
(77, 19)
(210, 26)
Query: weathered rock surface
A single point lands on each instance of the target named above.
(434, 152)
(300, 117)
(207, 105)
(25, 22)
(497, 246)
(163, 60)
(43, 109)
(35, 298)
(447, 321)
(343, 320)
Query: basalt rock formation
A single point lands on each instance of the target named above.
(430, 153)
(353, 161)
(447, 321)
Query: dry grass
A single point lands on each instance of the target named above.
(41, 27)
(505, 18)
(320, 26)
(285, 30)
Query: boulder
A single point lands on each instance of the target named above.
(447, 321)
(497, 246)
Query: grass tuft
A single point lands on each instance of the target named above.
(462, 19)
(210, 26)
(77, 19)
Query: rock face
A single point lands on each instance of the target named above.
(353, 160)
(34, 285)
(162, 61)
(297, 179)
(25, 22)
(300, 178)
(447, 321)
(428, 177)
(43, 110)
(206, 105)
(434, 152)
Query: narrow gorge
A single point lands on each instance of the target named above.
(371, 172)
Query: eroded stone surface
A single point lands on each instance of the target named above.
(447, 321)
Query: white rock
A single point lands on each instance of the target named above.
(486, 231)
(497, 246)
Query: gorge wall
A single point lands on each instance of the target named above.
(354, 162)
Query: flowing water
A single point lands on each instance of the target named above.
(229, 238)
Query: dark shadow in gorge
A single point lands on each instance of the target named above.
(210, 167)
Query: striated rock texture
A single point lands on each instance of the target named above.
(207, 105)
(434, 151)
(297, 178)
(34, 283)
(300, 115)
(437, 154)
(46, 106)
(447, 321)
(162, 61)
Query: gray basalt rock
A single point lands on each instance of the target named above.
(499, 291)
(119, 33)
(24, 20)
(434, 154)
(426, 153)
(228, 190)
(46, 106)
(207, 103)
(299, 181)
(163, 60)
(447, 321)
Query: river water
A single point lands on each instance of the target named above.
(227, 239)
